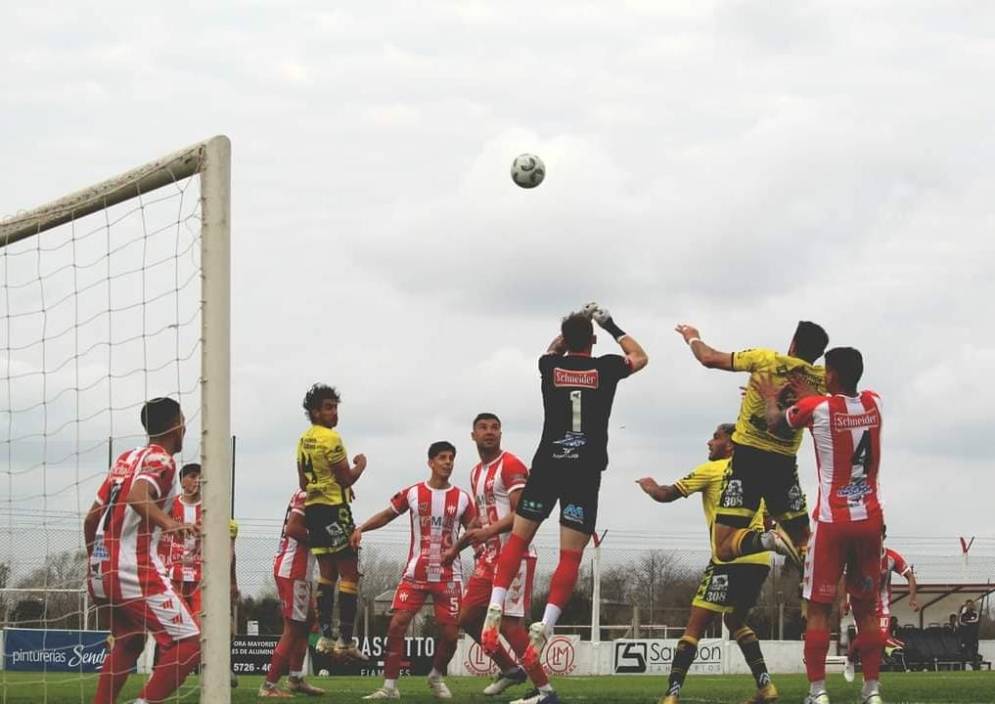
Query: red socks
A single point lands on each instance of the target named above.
(518, 637)
(816, 649)
(565, 577)
(117, 667)
(869, 646)
(395, 650)
(280, 662)
(176, 661)
(510, 560)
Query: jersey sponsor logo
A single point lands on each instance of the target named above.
(450, 509)
(718, 589)
(841, 421)
(569, 444)
(573, 513)
(733, 495)
(855, 491)
(585, 379)
(531, 505)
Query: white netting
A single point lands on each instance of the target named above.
(97, 315)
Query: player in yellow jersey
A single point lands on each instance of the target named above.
(324, 473)
(763, 462)
(727, 588)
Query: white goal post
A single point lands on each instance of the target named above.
(210, 160)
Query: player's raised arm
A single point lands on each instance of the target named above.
(661, 493)
(557, 346)
(345, 475)
(634, 352)
(708, 356)
(377, 520)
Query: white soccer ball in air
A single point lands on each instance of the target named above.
(527, 170)
(323, 673)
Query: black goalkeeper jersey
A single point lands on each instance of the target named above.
(577, 396)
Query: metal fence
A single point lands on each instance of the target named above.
(647, 579)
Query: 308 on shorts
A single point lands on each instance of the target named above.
(730, 587)
(295, 598)
(575, 487)
(411, 595)
(329, 528)
(756, 474)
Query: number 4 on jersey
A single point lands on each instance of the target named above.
(861, 458)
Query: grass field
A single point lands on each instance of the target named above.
(918, 687)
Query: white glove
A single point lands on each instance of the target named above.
(596, 312)
(589, 309)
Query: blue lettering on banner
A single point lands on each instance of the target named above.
(29, 649)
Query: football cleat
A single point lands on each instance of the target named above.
(537, 641)
(341, 651)
(384, 693)
(505, 680)
(439, 688)
(669, 699)
(490, 634)
(537, 697)
(299, 686)
(765, 695)
(271, 690)
(325, 645)
(820, 698)
(873, 698)
(783, 545)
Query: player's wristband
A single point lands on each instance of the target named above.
(612, 329)
(693, 340)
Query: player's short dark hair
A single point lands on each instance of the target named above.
(160, 415)
(440, 446)
(727, 428)
(810, 341)
(317, 394)
(485, 416)
(848, 364)
(189, 468)
(577, 331)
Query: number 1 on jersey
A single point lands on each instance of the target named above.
(575, 407)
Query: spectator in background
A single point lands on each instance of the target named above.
(970, 621)
(953, 624)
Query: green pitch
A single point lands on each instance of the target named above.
(918, 687)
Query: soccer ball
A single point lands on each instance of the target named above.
(323, 673)
(527, 170)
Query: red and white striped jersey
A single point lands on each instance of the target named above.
(847, 435)
(293, 559)
(492, 485)
(891, 561)
(182, 558)
(125, 563)
(436, 516)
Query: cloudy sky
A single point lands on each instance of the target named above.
(737, 165)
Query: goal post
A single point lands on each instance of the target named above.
(211, 162)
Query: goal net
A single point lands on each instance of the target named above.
(110, 296)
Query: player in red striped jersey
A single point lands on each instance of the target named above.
(437, 509)
(182, 558)
(122, 531)
(293, 569)
(496, 484)
(892, 562)
(846, 533)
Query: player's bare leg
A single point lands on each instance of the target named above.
(561, 586)
(294, 633)
(788, 540)
(749, 645)
(509, 562)
(399, 623)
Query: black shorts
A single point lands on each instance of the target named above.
(727, 588)
(575, 486)
(329, 528)
(755, 475)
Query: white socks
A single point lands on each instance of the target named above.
(817, 687)
(870, 687)
(551, 616)
(390, 684)
(498, 595)
(435, 675)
